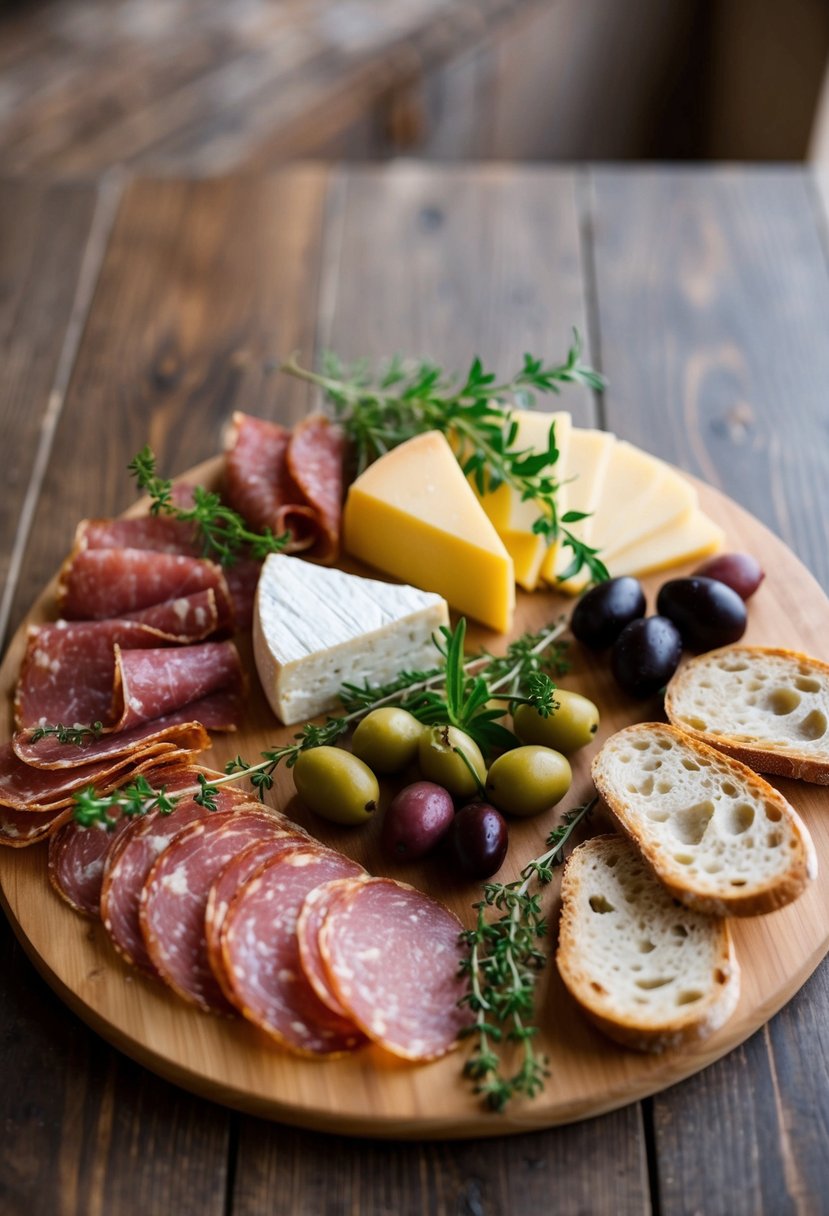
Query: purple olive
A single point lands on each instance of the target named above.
(416, 820)
(706, 612)
(478, 840)
(602, 612)
(646, 655)
(739, 571)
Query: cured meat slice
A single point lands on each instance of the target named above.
(393, 957)
(242, 578)
(133, 855)
(152, 683)
(174, 899)
(190, 618)
(235, 874)
(315, 909)
(76, 862)
(268, 985)
(161, 533)
(99, 584)
(21, 828)
(68, 670)
(288, 481)
(178, 729)
(315, 458)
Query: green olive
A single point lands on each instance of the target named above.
(528, 780)
(571, 726)
(439, 760)
(387, 739)
(336, 785)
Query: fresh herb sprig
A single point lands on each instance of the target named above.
(224, 534)
(382, 409)
(534, 655)
(79, 736)
(503, 961)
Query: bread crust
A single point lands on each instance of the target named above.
(693, 1024)
(779, 761)
(755, 901)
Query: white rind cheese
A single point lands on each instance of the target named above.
(315, 629)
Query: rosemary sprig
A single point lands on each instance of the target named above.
(80, 736)
(503, 961)
(381, 410)
(224, 534)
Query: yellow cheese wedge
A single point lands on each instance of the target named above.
(513, 518)
(588, 456)
(413, 515)
(640, 494)
(684, 540)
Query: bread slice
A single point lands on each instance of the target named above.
(649, 972)
(719, 837)
(769, 708)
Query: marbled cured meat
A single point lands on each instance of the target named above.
(76, 862)
(152, 683)
(392, 956)
(242, 578)
(161, 533)
(288, 481)
(268, 985)
(174, 898)
(68, 671)
(177, 729)
(315, 909)
(99, 584)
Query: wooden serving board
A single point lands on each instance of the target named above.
(370, 1093)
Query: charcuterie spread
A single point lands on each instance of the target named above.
(355, 547)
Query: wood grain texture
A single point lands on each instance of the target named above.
(712, 296)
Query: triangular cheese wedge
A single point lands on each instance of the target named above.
(315, 628)
(414, 515)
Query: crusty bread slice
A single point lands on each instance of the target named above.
(769, 708)
(649, 972)
(719, 837)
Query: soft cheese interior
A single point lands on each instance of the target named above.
(315, 628)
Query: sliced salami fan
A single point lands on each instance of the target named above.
(68, 670)
(393, 956)
(315, 909)
(232, 878)
(76, 862)
(174, 899)
(178, 730)
(99, 584)
(152, 683)
(160, 533)
(133, 855)
(315, 457)
(268, 985)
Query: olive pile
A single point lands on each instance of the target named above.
(342, 786)
(702, 612)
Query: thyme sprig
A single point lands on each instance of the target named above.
(224, 534)
(503, 961)
(79, 736)
(381, 409)
(428, 695)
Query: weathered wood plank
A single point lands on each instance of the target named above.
(44, 232)
(712, 301)
(447, 264)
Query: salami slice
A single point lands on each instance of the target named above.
(76, 862)
(312, 917)
(160, 533)
(174, 899)
(232, 878)
(152, 683)
(177, 729)
(133, 855)
(393, 957)
(68, 670)
(99, 584)
(257, 482)
(315, 457)
(242, 578)
(268, 984)
(21, 828)
(190, 618)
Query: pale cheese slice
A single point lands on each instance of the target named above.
(684, 540)
(414, 515)
(588, 457)
(315, 628)
(640, 494)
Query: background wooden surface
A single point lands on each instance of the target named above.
(136, 311)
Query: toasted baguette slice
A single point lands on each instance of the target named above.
(719, 837)
(769, 708)
(649, 973)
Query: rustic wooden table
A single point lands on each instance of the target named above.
(136, 310)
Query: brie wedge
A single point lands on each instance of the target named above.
(315, 628)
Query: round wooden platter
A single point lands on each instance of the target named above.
(370, 1093)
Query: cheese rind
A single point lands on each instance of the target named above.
(413, 514)
(316, 628)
